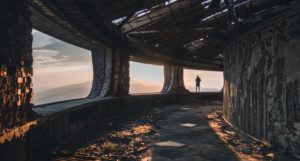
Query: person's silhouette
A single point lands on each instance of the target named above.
(198, 80)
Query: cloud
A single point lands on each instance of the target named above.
(48, 51)
(45, 57)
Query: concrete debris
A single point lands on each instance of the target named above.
(128, 140)
(242, 144)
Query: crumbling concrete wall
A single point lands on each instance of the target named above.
(262, 73)
(15, 64)
(111, 73)
(120, 82)
(15, 78)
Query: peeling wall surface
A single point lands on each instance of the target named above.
(261, 88)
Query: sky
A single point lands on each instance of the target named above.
(211, 81)
(56, 63)
(60, 67)
(145, 78)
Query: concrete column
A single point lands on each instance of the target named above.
(15, 63)
(173, 79)
(102, 71)
(111, 73)
(15, 77)
(120, 76)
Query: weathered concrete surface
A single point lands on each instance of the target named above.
(120, 82)
(15, 78)
(169, 132)
(261, 91)
(111, 73)
(189, 126)
(173, 79)
(15, 63)
(63, 123)
(102, 72)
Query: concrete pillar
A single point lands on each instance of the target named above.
(15, 63)
(15, 77)
(121, 74)
(102, 70)
(173, 82)
(111, 73)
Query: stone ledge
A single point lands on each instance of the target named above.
(56, 107)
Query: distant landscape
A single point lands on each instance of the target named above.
(82, 90)
(63, 71)
(73, 91)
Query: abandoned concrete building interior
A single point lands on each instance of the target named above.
(255, 43)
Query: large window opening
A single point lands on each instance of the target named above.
(211, 81)
(61, 71)
(145, 78)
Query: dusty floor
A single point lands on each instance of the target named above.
(175, 132)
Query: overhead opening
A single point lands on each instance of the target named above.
(61, 71)
(191, 46)
(168, 2)
(145, 78)
(118, 20)
(211, 81)
(142, 12)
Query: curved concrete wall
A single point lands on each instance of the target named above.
(262, 73)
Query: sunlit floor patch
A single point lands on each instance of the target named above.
(170, 144)
(167, 134)
(245, 147)
(126, 140)
(188, 125)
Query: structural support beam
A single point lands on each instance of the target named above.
(120, 83)
(102, 69)
(155, 54)
(15, 63)
(173, 79)
(111, 73)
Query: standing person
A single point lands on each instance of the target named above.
(198, 80)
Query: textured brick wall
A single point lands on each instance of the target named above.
(121, 74)
(262, 73)
(15, 63)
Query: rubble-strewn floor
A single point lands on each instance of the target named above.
(175, 132)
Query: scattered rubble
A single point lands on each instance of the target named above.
(133, 140)
(130, 140)
(243, 145)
